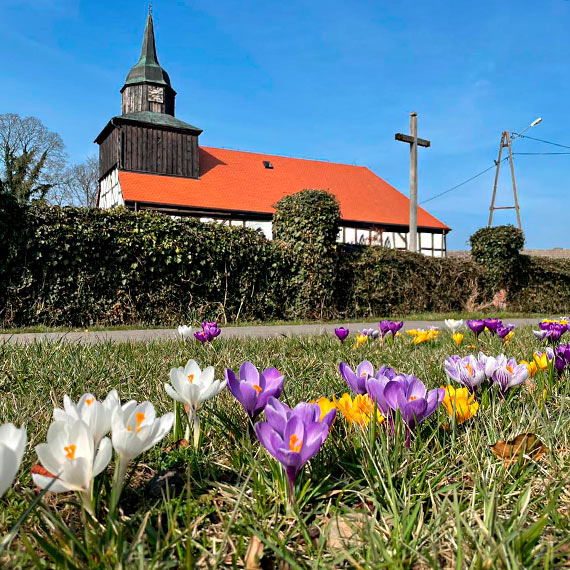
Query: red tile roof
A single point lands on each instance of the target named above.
(236, 180)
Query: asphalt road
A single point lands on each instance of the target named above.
(149, 335)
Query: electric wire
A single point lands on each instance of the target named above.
(494, 165)
(542, 140)
(540, 153)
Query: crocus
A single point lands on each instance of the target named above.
(459, 402)
(491, 363)
(341, 333)
(209, 332)
(408, 395)
(12, 445)
(390, 327)
(184, 331)
(358, 410)
(492, 325)
(292, 437)
(96, 414)
(510, 375)
(357, 380)
(360, 339)
(192, 386)
(467, 371)
(71, 458)
(325, 406)
(505, 332)
(476, 325)
(253, 389)
(457, 337)
(543, 359)
(421, 335)
(372, 333)
(134, 430)
(454, 325)
(531, 367)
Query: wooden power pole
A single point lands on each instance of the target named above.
(413, 140)
(505, 142)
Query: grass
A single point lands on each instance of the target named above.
(365, 501)
(431, 316)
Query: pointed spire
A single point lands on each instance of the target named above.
(147, 69)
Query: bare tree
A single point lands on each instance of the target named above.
(33, 158)
(80, 184)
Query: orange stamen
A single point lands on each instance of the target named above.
(70, 451)
(412, 398)
(510, 369)
(295, 443)
(257, 388)
(89, 401)
(191, 378)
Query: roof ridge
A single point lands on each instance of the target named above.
(325, 160)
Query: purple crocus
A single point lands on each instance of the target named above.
(373, 333)
(477, 326)
(504, 330)
(294, 436)
(341, 333)
(391, 327)
(357, 380)
(468, 371)
(510, 375)
(253, 389)
(492, 325)
(408, 394)
(209, 332)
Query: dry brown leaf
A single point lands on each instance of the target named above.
(254, 554)
(523, 444)
(343, 530)
(177, 445)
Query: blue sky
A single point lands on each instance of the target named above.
(332, 80)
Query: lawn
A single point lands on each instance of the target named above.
(364, 501)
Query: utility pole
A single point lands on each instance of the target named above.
(506, 140)
(413, 140)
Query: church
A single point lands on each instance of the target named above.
(151, 160)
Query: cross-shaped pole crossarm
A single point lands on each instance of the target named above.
(409, 139)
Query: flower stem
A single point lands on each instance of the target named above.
(118, 480)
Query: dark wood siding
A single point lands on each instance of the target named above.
(135, 98)
(108, 153)
(160, 151)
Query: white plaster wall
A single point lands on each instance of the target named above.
(110, 194)
(265, 227)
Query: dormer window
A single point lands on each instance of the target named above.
(268, 164)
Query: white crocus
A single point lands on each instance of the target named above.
(192, 386)
(71, 458)
(134, 429)
(184, 331)
(454, 325)
(12, 445)
(96, 414)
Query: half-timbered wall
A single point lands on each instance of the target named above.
(110, 195)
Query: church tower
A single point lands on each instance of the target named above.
(147, 87)
(146, 137)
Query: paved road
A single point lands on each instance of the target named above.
(228, 332)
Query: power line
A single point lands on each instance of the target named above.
(542, 141)
(541, 153)
(462, 183)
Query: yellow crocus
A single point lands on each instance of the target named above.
(541, 360)
(421, 335)
(357, 410)
(531, 366)
(460, 400)
(360, 339)
(457, 337)
(326, 406)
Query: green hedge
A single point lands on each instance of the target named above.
(78, 267)
(81, 266)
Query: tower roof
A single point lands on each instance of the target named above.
(147, 69)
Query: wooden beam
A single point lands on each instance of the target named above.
(409, 139)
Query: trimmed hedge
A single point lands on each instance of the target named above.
(78, 267)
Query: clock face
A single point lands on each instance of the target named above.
(156, 94)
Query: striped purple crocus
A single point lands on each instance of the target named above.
(293, 436)
(509, 375)
(390, 327)
(468, 370)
